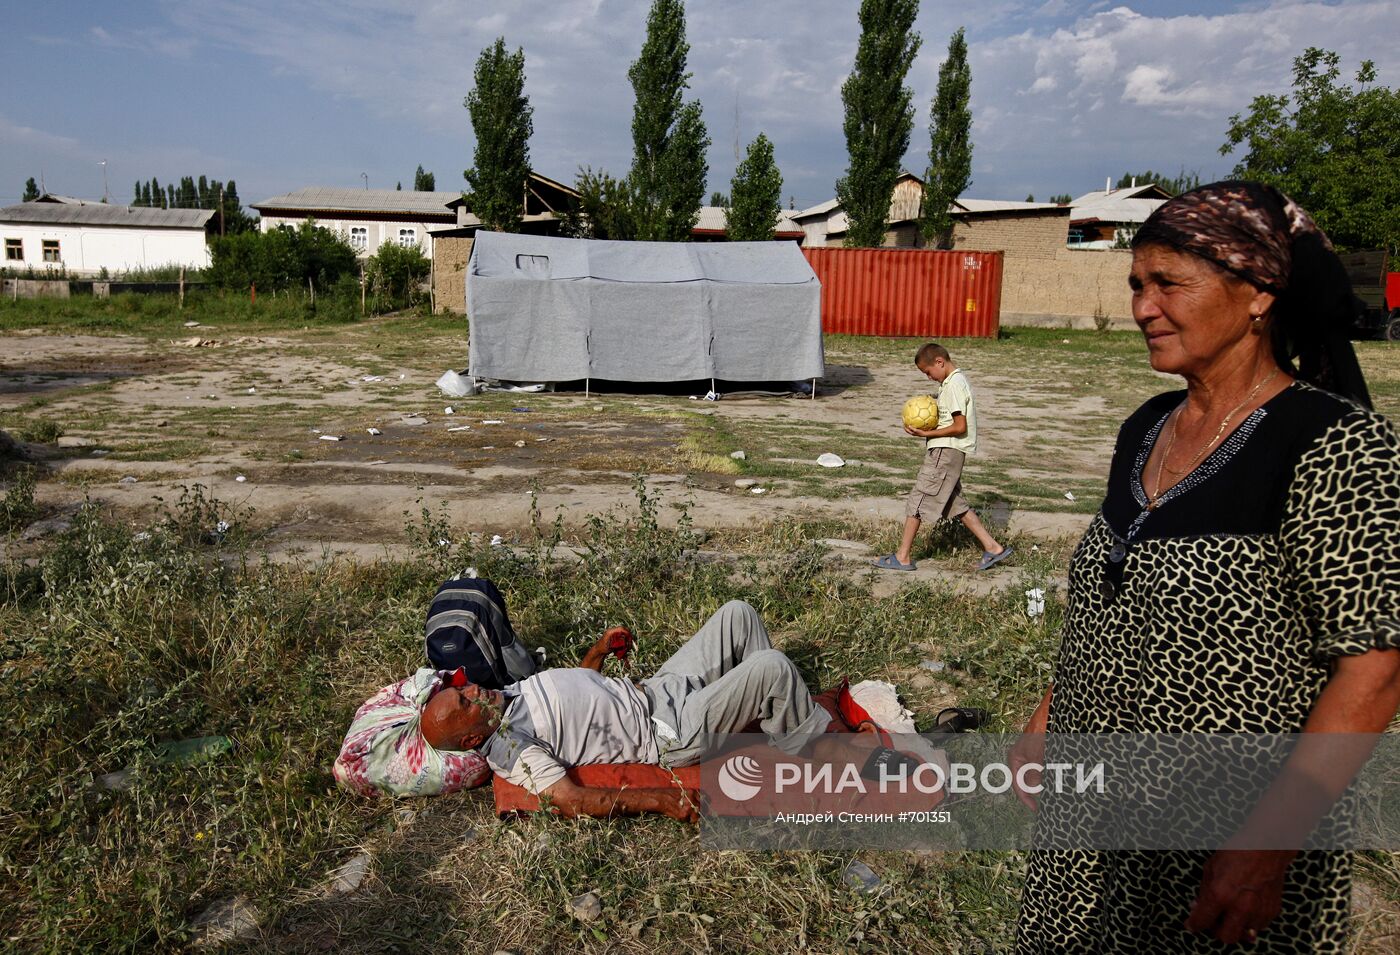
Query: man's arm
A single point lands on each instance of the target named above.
(567, 798)
(955, 430)
(616, 641)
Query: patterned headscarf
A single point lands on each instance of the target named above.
(1257, 233)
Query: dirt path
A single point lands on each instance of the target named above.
(142, 418)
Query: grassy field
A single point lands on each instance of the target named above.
(119, 636)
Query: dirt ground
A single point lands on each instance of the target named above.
(141, 418)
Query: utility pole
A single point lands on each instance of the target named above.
(221, 210)
(365, 177)
(104, 180)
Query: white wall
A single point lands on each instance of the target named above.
(378, 234)
(89, 249)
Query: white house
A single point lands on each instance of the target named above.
(85, 238)
(366, 217)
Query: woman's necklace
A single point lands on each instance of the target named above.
(1155, 499)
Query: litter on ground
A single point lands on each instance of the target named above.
(829, 460)
(460, 427)
(448, 410)
(330, 437)
(240, 479)
(1069, 496)
(374, 431)
(493, 421)
(738, 455)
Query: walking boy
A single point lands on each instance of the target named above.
(938, 488)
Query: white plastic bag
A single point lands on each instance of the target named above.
(455, 386)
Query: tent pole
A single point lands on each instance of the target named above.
(712, 386)
(814, 389)
(585, 387)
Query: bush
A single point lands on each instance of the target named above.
(282, 258)
(394, 274)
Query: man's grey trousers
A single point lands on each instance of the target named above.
(726, 676)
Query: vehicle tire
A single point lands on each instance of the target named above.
(1392, 328)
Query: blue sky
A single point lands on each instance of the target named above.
(280, 94)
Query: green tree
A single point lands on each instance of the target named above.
(136, 195)
(719, 199)
(423, 181)
(1182, 182)
(606, 208)
(879, 116)
(757, 190)
(31, 190)
(669, 140)
(1063, 199)
(950, 145)
(1332, 148)
(502, 120)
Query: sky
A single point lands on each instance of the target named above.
(282, 94)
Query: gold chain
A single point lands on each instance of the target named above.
(1156, 498)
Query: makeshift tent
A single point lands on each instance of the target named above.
(545, 309)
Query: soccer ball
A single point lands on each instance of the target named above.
(921, 412)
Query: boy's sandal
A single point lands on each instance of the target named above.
(960, 719)
(892, 562)
(990, 560)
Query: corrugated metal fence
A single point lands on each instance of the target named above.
(920, 293)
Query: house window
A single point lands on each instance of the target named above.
(51, 253)
(14, 250)
(408, 238)
(359, 238)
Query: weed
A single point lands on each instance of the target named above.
(17, 507)
(43, 431)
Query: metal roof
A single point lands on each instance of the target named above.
(716, 219)
(69, 200)
(820, 208)
(326, 199)
(55, 213)
(1003, 205)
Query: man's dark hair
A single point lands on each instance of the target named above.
(925, 356)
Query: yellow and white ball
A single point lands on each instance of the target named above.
(921, 412)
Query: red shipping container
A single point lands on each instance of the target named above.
(911, 293)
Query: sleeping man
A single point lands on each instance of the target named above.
(725, 677)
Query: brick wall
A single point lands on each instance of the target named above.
(1019, 236)
(1068, 288)
(450, 256)
(1045, 283)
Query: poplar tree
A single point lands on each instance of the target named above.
(756, 195)
(950, 144)
(669, 138)
(136, 195)
(31, 190)
(502, 120)
(423, 181)
(879, 116)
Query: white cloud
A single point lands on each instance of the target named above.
(1119, 89)
(145, 41)
(1055, 109)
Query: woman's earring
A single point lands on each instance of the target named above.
(1256, 324)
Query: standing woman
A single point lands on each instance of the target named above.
(1243, 576)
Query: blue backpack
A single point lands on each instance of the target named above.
(468, 627)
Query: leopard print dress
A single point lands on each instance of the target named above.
(1220, 611)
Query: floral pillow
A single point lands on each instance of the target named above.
(384, 751)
